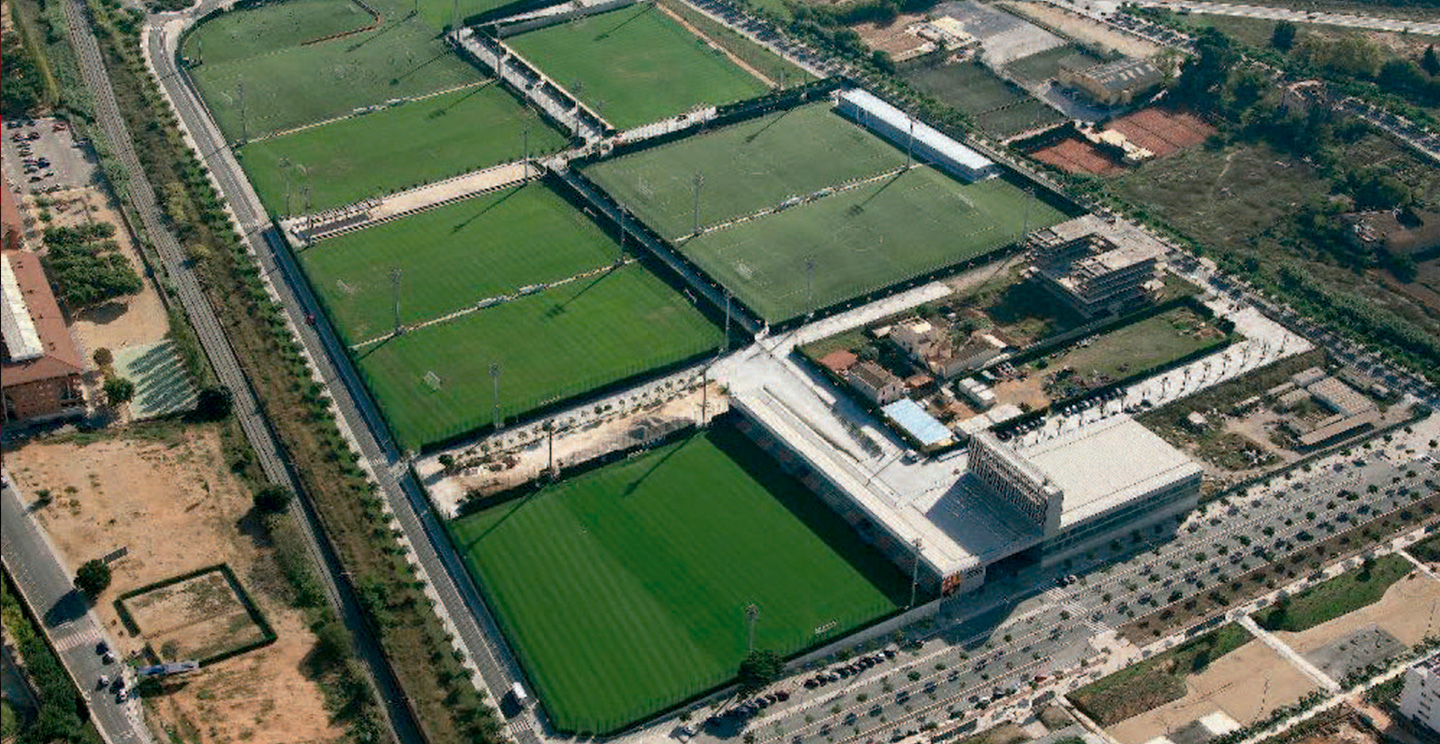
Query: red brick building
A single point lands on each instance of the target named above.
(41, 370)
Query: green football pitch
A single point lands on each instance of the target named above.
(393, 149)
(551, 345)
(281, 83)
(452, 257)
(747, 166)
(624, 589)
(635, 65)
(864, 239)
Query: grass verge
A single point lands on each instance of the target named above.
(1341, 595)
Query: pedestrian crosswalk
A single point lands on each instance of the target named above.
(75, 634)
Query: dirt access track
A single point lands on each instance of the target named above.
(164, 493)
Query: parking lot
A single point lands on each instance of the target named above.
(41, 155)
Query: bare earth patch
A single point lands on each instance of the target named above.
(892, 38)
(193, 619)
(1410, 607)
(1079, 27)
(1246, 684)
(173, 504)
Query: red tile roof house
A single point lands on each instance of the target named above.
(41, 371)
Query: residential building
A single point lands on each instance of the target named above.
(1420, 700)
(876, 383)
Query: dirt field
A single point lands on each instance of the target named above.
(1407, 610)
(892, 38)
(1163, 132)
(1085, 30)
(194, 619)
(1246, 684)
(1077, 156)
(171, 501)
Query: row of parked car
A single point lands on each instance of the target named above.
(835, 674)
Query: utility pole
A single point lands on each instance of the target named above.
(752, 613)
(498, 419)
(395, 275)
(244, 125)
(699, 181)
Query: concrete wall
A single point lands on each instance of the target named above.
(555, 19)
(878, 630)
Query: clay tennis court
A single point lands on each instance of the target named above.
(1163, 132)
(1077, 156)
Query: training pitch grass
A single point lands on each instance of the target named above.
(238, 36)
(747, 166)
(452, 257)
(288, 86)
(552, 345)
(416, 142)
(624, 589)
(634, 66)
(864, 239)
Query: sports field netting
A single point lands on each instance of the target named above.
(286, 87)
(624, 589)
(635, 65)
(746, 167)
(864, 239)
(552, 345)
(453, 257)
(394, 149)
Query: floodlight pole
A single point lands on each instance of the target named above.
(910, 144)
(498, 419)
(699, 181)
(810, 284)
(395, 275)
(915, 574)
(704, 395)
(1025, 226)
(752, 613)
(525, 148)
(727, 323)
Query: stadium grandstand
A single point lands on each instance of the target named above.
(921, 140)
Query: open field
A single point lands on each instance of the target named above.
(966, 87)
(553, 345)
(864, 239)
(194, 619)
(635, 66)
(769, 64)
(1326, 601)
(247, 34)
(402, 146)
(111, 491)
(748, 166)
(1140, 687)
(281, 88)
(624, 589)
(1139, 346)
(453, 257)
(1247, 685)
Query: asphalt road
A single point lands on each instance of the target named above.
(459, 603)
(1271, 13)
(74, 631)
(222, 358)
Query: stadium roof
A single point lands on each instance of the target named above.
(908, 415)
(1103, 465)
(878, 108)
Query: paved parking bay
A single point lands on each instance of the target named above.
(66, 165)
